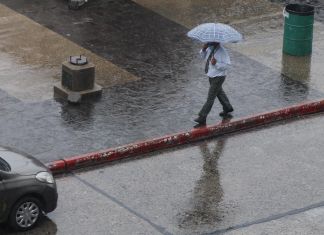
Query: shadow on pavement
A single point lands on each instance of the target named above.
(45, 226)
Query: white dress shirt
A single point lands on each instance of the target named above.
(223, 61)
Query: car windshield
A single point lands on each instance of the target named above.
(4, 166)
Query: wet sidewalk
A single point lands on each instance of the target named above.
(159, 85)
(268, 180)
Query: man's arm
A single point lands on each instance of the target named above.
(223, 63)
(221, 66)
(203, 51)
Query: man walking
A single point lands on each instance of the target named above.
(217, 62)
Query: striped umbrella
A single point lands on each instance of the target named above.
(215, 32)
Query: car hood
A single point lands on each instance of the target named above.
(21, 163)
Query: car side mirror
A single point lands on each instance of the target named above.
(4, 175)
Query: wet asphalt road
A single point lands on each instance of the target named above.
(265, 181)
(170, 93)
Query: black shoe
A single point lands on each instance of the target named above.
(200, 120)
(226, 113)
(200, 125)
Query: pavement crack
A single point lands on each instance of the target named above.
(157, 227)
(268, 219)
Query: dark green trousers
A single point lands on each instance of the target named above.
(215, 90)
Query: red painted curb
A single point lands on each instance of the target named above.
(135, 149)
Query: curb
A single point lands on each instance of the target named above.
(131, 150)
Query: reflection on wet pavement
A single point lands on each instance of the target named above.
(171, 90)
(205, 206)
(290, 89)
(207, 193)
(296, 67)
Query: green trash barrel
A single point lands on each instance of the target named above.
(298, 30)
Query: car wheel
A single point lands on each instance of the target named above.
(73, 5)
(25, 214)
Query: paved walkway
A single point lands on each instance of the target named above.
(160, 87)
(268, 180)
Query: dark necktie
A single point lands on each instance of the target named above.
(209, 58)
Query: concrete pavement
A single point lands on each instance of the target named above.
(265, 181)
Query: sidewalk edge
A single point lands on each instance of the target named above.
(134, 149)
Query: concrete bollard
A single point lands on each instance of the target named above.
(78, 80)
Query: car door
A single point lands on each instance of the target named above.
(2, 199)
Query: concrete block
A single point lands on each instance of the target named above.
(76, 96)
(78, 77)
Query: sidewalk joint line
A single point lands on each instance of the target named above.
(158, 228)
(268, 219)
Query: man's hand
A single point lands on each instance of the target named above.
(213, 61)
(205, 46)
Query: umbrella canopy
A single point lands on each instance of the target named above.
(215, 32)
